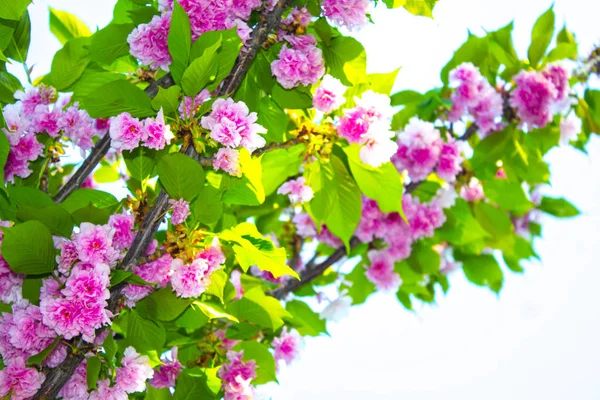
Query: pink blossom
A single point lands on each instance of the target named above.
(474, 95)
(449, 163)
(148, 42)
(68, 255)
(351, 14)
(135, 370)
(381, 271)
(305, 226)
(329, 96)
(94, 244)
(167, 373)
(76, 387)
(236, 375)
(559, 76)
(298, 17)
(126, 132)
(328, 238)
(190, 105)
(353, 125)
(419, 148)
(228, 160)
(56, 357)
(122, 225)
(570, 127)
(10, 283)
(34, 96)
(446, 197)
(301, 64)
(133, 293)
(473, 191)
(534, 98)
(232, 125)
(180, 212)
(378, 147)
(18, 382)
(26, 332)
(156, 133)
(157, 271)
(297, 190)
(236, 280)
(80, 128)
(189, 280)
(286, 346)
(213, 255)
(423, 219)
(46, 119)
(107, 392)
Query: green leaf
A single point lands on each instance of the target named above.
(110, 348)
(337, 200)
(383, 184)
(140, 163)
(28, 248)
(163, 305)
(228, 53)
(38, 358)
(346, 59)
(167, 99)
(405, 97)
(208, 206)
(92, 371)
(213, 311)
(416, 7)
(541, 35)
(118, 97)
(110, 43)
(107, 174)
(69, 63)
(9, 84)
(278, 165)
(247, 190)
(202, 70)
(361, 287)
(179, 41)
(218, 280)
(251, 248)
(31, 290)
(192, 388)
(558, 207)
(305, 320)
(66, 26)
(56, 218)
(13, 9)
(19, 43)
(91, 214)
(562, 51)
(181, 176)
(383, 83)
(265, 362)
(82, 197)
(424, 259)
(274, 119)
(193, 318)
(510, 196)
(241, 331)
(4, 150)
(143, 334)
(291, 98)
(91, 80)
(256, 307)
(493, 220)
(482, 270)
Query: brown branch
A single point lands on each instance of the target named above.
(57, 377)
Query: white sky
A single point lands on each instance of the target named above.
(539, 338)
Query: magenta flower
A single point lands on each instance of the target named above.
(76, 387)
(122, 225)
(419, 148)
(94, 244)
(190, 105)
(156, 133)
(449, 162)
(213, 255)
(297, 190)
(236, 375)
(302, 64)
(148, 42)
(166, 375)
(19, 381)
(157, 271)
(126, 132)
(381, 271)
(228, 160)
(534, 98)
(286, 346)
(180, 212)
(189, 280)
(351, 14)
(135, 370)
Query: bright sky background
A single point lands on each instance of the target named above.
(539, 338)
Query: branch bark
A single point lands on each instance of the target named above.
(57, 377)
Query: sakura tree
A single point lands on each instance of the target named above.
(271, 184)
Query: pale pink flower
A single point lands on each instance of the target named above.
(76, 387)
(236, 375)
(135, 370)
(189, 280)
(157, 271)
(419, 148)
(228, 160)
(297, 190)
(301, 64)
(126, 131)
(329, 96)
(156, 132)
(213, 255)
(19, 381)
(473, 191)
(236, 280)
(180, 212)
(148, 42)
(378, 147)
(570, 127)
(107, 392)
(190, 105)
(381, 271)
(94, 244)
(133, 293)
(10, 283)
(305, 226)
(351, 14)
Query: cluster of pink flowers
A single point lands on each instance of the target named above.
(190, 105)
(37, 111)
(329, 96)
(149, 42)
(300, 64)
(368, 125)
(475, 96)
(127, 132)
(351, 14)
(231, 124)
(421, 150)
(298, 17)
(166, 375)
(228, 160)
(286, 346)
(17, 382)
(180, 211)
(157, 271)
(10, 282)
(237, 376)
(191, 280)
(297, 190)
(539, 95)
